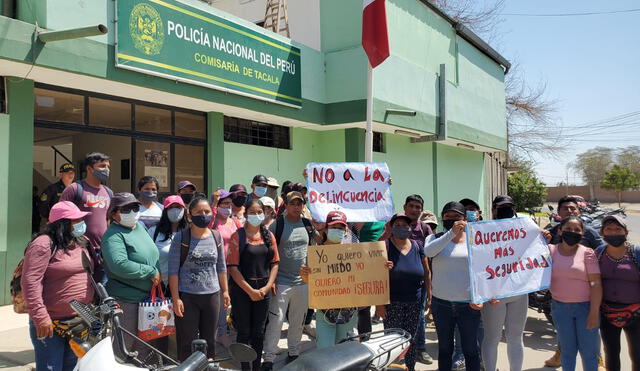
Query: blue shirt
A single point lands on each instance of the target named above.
(205, 260)
(406, 279)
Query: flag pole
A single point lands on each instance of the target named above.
(368, 139)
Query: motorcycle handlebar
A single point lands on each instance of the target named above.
(197, 361)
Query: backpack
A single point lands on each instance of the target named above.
(635, 256)
(280, 228)
(17, 298)
(185, 242)
(242, 245)
(80, 190)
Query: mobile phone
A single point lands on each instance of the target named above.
(471, 216)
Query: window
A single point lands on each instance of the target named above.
(189, 165)
(58, 106)
(257, 133)
(109, 113)
(378, 142)
(190, 125)
(154, 159)
(153, 120)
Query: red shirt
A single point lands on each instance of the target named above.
(48, 287)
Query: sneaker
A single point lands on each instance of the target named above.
(309, 330)
(267, 366)
(291, 358)
(424, 357)
(458, 365)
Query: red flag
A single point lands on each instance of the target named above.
(374, 31)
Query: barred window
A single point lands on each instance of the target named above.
(243, 131)
(378, 142)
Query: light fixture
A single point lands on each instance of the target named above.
(74, 33)
(407, 133)
(402, 112)
(467, 146)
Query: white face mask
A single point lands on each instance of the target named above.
(175, 215)
(130, 219)
(255, 219)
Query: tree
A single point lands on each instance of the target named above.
(593, 165)
(527, 191)
(620, 179)
(629, 157)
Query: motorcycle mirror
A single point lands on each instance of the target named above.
(86, 264)
(242, 352)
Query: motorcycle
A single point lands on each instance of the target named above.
(102, 321)
(541, 302)
(367, 352)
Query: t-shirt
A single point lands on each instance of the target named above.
(95, 200)
(449, 268)
(419, 233)
(252, 262)
(620, 280)
(569, 280)
(151, 216)
(406, 279)
(292, 250)
(371, 231)
(130, 260)
(226, 230)
(163, 249)
(48, 287)
(205, 260)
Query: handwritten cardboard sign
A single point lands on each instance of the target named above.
(507, 257)
(359, 189)
(348, 275)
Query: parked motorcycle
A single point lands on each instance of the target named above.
(371, 351)
(103, 323)
(541, 302)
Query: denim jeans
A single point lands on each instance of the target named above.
(328, 334)
(570, 320)
(52, 353)
(447, 315)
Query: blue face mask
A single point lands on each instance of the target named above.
(260, 191)
(335, 235)
(79, 229)
(255, 219)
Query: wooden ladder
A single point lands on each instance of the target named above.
(276, 18)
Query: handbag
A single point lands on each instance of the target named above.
(621, 315)
(155, 316)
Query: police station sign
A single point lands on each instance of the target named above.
(174, 40)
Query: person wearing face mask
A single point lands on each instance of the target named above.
(568, 206)
(619, 263)
(92, 195)
(408, 283)
(197, 279)
(52, 277)
(269, 210)
(451, 305)
(576, 290)
(253, 265)
(238, 199)
(259, 187)
(186, 190)
(131, 261)
(272, 190)
(51, 195)
(150, 208)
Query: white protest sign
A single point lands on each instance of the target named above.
(507, 257)
(359, 189)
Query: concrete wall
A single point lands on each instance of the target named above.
(602, 195)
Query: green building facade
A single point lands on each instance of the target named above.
(63, 99)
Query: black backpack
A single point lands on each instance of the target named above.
(80, 190)
(185, 242)
(242, 245)
(280, 228)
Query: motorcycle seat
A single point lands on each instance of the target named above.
(350, 356)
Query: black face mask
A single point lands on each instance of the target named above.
(505, 213)
(571, 238)
(615, 241)
(201, 221)
(448, 224)
(186, 197)
(239, 200)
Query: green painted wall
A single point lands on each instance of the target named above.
(215, 150)
(16, 160)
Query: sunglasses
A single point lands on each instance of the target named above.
(129, 208)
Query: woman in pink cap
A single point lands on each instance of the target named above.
(52, 277)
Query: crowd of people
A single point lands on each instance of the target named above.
(242, 255)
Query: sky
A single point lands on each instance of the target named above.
(590, 65)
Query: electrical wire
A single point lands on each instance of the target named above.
(571, 14)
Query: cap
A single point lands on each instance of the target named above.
(123, 198)
(397, 216)
(65, 210)
(469, 202)
(615, 219)
(185, 183)
(336, 217)
(259, 180)
(502, 200)
(454, 206)
(173, 199)
(237, 188)
(273, 182)
(268, 201)
(223, 193)
(67, 167)
(429, 217)
(294, 196)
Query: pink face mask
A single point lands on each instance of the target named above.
(224, 212)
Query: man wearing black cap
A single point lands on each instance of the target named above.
(186, 191)
(51, 195)
(259, 185)
(503, 207)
